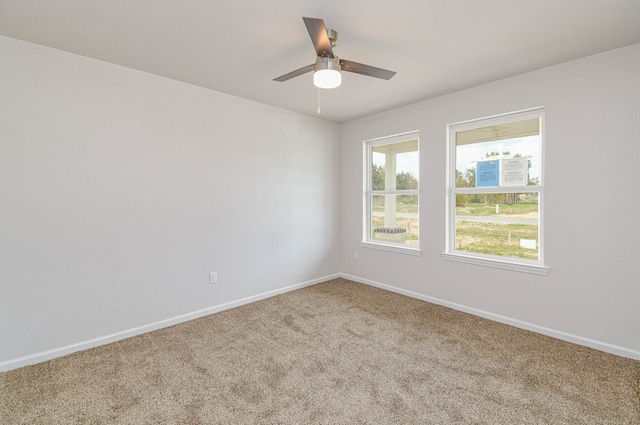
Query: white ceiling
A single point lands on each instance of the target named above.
(238, 47)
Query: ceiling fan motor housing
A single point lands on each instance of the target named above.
(327, 63)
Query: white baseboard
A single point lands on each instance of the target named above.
(107, 339)
(601, 346)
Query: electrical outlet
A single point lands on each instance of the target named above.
(213, 277)
(356, 255)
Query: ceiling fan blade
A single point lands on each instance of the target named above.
(367, 70)
(319, 37)
(295, 73)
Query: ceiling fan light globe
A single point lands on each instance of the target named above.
(326, 74)
(327, 78)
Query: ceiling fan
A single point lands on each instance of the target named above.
(328, 67)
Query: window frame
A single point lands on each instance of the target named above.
(489, 260)
(368, 193)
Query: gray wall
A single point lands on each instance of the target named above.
(121, 191)
(592, 292)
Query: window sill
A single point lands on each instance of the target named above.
(496, 263)
(399, 249)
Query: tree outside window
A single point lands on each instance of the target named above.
(392, 186)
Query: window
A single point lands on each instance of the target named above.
(391, 191)
(496, 192)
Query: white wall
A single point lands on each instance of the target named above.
(120, 191)
(592, 292)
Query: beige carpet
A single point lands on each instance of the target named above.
(334, 353)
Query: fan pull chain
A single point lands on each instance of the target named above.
(318, 100)
(338, 99)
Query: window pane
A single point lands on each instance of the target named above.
(499, 155)
(503, 224)
(394, 218)
(395, 159)
(377, 171)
